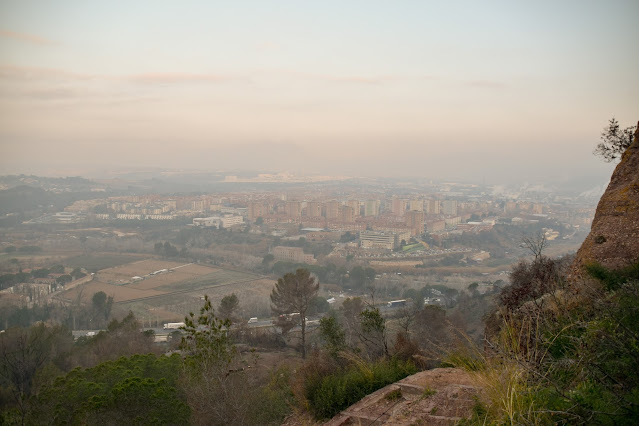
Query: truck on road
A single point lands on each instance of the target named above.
(396, 303)
(174, 325)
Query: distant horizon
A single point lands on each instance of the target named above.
(495, 91)
(190, 176)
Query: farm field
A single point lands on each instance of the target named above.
(175, 291)
(123, 274)
(118, 292)
(253, 296)
(96, 262)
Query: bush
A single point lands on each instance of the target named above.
(328, 395)
(532, 280)
(575, 358)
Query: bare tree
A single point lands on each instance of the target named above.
(293, 294)
(535, 243)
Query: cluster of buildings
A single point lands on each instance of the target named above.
(396, 216)
(157, 207)
(381, 219)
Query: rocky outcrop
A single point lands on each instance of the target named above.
(442, 396)
(614, 236)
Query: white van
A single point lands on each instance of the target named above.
(252, 320)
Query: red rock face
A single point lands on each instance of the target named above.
(614, 237)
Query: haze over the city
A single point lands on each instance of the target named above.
(475, 90)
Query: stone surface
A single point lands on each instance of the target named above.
(614, 236)
(441, 396)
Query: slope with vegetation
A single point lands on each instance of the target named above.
(563, 346)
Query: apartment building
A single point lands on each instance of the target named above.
(294, 208)
(313, 209)
(347, 214)
(415, 221)
(398, 206)
(354, 204)
(332, 209)
(371, 208)
(449, 207)
(256, 209)
(417, 205)
(432, 207)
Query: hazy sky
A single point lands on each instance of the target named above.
(475, 89)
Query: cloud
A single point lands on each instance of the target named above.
(29, 38)
(353, 78)
(16, 72)
(176, 77)
(57, 93)
(359, 79)
(486, 84)
(267, 45)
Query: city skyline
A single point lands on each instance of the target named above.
(495, 91)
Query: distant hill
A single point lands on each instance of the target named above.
(26, 198)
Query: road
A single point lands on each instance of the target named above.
(160, 331)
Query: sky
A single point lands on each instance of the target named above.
(492, 90)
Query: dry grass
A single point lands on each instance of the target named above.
(507, 395)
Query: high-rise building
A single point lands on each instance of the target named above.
(354, 204)
(450, 207)
(415, 221)
(256, 209)
(510, 206)
(432, 207)
(371, 208)
(293, 208)
(417, 205)
(347, 214)
(313, 209)
(199, 205)
(399, 206)
(332, 209)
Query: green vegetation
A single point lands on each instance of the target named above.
(228, 306)
(141, 389)
(294, 294)
(46, 378)
(394, 395)
(614, 141)
(215, 380)
(328, 395)
(561, 355)
(428, 392)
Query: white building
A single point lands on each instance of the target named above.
(218, 222)
(382, 240)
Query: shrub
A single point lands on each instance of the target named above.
(328, 395)
(532, 280)
(576, 359)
